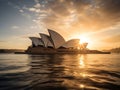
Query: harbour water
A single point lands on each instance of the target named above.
(60, 72)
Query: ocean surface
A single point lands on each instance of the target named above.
(60, 72)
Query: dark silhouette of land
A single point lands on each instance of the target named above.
(114, 50)
(11, 50)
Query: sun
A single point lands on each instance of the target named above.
(84, 39)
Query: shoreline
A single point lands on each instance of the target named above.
(42, 50)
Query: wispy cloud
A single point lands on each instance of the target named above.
(77, 15)
(15, 27)
(21, 11)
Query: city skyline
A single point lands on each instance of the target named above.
(92, 21)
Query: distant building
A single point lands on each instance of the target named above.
(56, 41)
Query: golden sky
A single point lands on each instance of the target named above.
(93, 21)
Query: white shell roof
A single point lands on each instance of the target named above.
(46, 39)
(57, 39)
(36, 41)
(74, 43)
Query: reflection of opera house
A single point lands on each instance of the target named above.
(55, 43)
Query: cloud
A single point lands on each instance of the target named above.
(21, 11)
(32, 9)
(75, 16)
(113, 39)
(15, 27)
(37, 5)
(33, 27)
(36, 8)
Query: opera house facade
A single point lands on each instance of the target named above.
(54, 43)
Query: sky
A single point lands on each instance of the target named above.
(94, 21)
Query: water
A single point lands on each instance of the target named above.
(60, 72)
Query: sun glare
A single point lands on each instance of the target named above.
(84, 39)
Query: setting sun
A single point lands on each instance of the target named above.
(84, 39)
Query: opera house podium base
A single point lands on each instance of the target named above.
(43, 50)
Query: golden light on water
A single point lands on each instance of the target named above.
(81, 67)
(82, 86)
(83, 74)
(81, 62)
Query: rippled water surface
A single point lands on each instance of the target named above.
(60, 72)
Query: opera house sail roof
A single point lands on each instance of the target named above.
(36, 41)
(73, 43)
(46, 40)
(55, 40)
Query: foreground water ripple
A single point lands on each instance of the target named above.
(59, 72)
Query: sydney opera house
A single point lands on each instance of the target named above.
(54, 43)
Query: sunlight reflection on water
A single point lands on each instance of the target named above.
(59, 72)
(82, 63)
